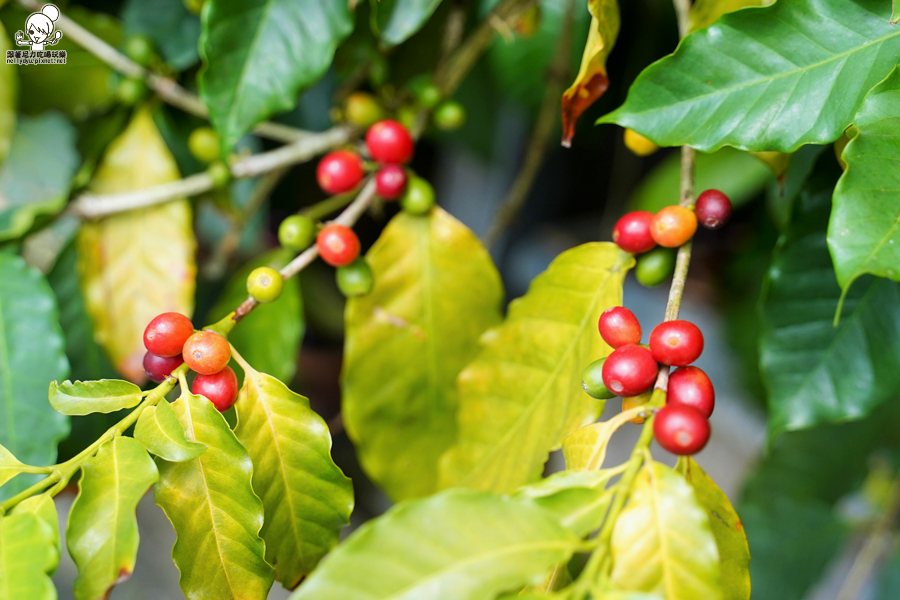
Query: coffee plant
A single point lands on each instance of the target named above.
(139, 174)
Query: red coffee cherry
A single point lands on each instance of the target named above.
(338, 245)
(632, 232)
(618, 326)
(629, 370)
(206, 352)
(676, 343)
(389, 142)
(219, 388)
(681, 429)
(690, 386)
(339, 171)
(390, 182)
(158, 368)
(713, 209)
(673, 226)
(166, 334)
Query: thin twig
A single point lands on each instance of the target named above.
(165, 87)
(557, 75)
(93, 206)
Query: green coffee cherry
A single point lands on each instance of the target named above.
(220, 174)
(406, 115)
(204, 144)
(363, 109)
(449, 115)
(139, 49)
(194, 6)
(655, 267)
(355, 279)
(592, 381)
(428, 95)
(418, 198)
(297, 232)
(131, 91)
(265, 284)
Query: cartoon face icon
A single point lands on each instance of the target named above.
(39, 26)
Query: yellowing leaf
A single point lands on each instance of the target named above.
(522, 396)
(662, 541)
(731, 538)
(436, 291)
(27, 556)
(585, 450)
(215, 513)
(9, 465)
(102, 535)
(591, 81)
(306, 498)
(706, 12)
(138, 264)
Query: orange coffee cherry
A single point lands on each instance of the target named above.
(673, 226)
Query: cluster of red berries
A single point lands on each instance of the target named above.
(682, 426)
(170, 340)
(641, 231)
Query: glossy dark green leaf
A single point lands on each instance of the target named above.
(458, 544)
(864, 231)
(102, 535)
(522, 396)
(31, 355)
(436, 291)
(397, 20)
(216, 515)
(816, 372)
(35, 178)
(269, 337)
(662, 541)
(771, 78)
(160, 432)
(579, 498)
(174, 30)
(731, 539)
(27, 556)
(259, 54)
(306, 498)
(85, 397)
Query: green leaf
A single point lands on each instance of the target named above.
(579, 499)
(662, 541)
(27, 556)
(36, 176)
(137, 264)
(706, 12)
(731, 539)
(736, 173)
(102, 535)
(86, 397)
(160, 432)
(9, 84)
(864, 231)
(306, 498)
(9, 466)
(458, 544)
(43, 507)
(888, 586)
(770, 78)
(174, 29)
(397, 20)
(216, 515)
(269, 337)
(31, 354)
(436, 290)
(259, 54)
(816, 372)
(522, 396)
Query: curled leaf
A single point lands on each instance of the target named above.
(86, 397)
(592, 80)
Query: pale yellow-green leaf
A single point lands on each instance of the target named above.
(522, 396)
(27, 556)
(9, 465)
(215, 513)
(436, 291)
(137, 264)
(578, 498)
(43, 507)
(662, 541)
(9, 84)
(160, 432)
(86, 397)
(585, 450)
(731, 538)
(306, 498)
(706, 12)
(102, 535)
